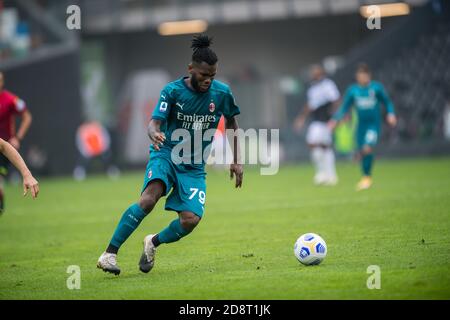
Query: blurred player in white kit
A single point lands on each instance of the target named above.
(323, 98)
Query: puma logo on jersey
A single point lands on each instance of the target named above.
(180, 105)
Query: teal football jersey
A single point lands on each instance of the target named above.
(367, 102)
(197, 113)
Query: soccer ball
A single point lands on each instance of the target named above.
(310, 249)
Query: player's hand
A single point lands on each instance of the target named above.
(30, 183)
(332, 124)
(238, 171)
(15, 143)
(392, 120)
(298, 124)
(157, 139)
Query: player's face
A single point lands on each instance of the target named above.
(316, 73)
(363, 78)
(202, 75)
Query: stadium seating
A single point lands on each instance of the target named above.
(18, 34)
(418, 81)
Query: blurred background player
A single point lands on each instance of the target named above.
(10, 107)
(94, 142)
(366, 96)
(13, 156)
(322, 100)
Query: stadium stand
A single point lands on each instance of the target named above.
(419, 81)
(34, 49)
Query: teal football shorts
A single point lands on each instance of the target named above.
(367, 135)
(187, 187)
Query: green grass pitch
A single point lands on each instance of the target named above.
(243, 248)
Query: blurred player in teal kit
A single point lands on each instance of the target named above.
(187, 107)
(366, 96)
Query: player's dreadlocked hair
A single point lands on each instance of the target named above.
(202, 52)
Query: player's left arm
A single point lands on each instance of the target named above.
(384, 98)
(25, 123)
(236, 168)
(29, 182)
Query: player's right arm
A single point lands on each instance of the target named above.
(159, 116)
(154, 133)
(343, 109)
(301, 118)
(29, 182)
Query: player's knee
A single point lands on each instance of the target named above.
(367, 150)
(189, 221)
(147, 202)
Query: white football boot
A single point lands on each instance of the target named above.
(320, 179)
(148, 255)
(331, 181)
(108, 263)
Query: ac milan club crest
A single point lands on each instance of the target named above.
(212, 107)
(150, 174)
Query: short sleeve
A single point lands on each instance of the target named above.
(230, 108)
(17, 104)
(333, 91)
(162, 109)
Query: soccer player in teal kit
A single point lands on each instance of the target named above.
(187, 107)
(366, 96)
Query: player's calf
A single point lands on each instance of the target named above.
(189, 220)
(151, 195)
(147, 202)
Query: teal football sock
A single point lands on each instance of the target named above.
(173, 232)
(367, 162)
(131, 219)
